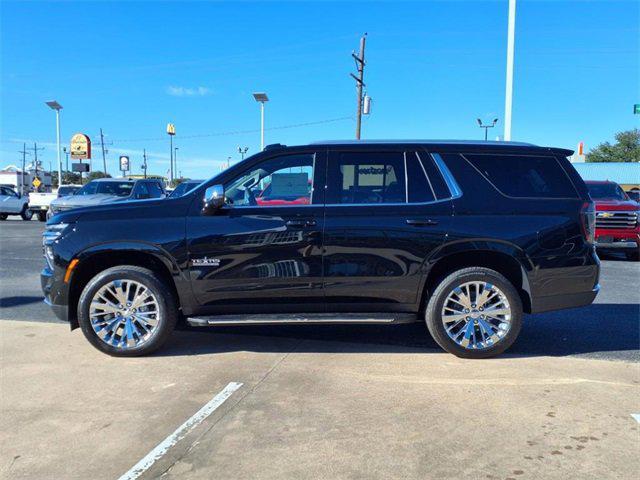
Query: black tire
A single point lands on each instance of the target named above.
(26, 214)
(433, 313)
(3, 216)
(167, 309)
(42, 216)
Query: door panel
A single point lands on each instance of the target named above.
(375, 253)
(264, 251)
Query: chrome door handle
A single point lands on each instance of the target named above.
(301, 223)
(421, 222)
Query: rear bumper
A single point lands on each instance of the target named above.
(39, 208)
(560, 302)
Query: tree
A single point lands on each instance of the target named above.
(67, 178)
(626, 149)
(97, 174)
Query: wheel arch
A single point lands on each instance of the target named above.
(98, 258)
(505, 258)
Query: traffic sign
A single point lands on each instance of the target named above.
(36, 182)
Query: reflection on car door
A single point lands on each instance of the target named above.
(382, 221)
(266, 254)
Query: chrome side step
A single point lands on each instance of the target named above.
(302, 318)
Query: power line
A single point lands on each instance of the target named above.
(238, 132)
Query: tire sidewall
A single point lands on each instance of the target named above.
(26, 214)
(166, 308)
(433, 314)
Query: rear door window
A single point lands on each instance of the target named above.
(524, 176)
(367, 178)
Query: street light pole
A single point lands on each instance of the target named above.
(508, 100)
(175, 161)
(487, 127)
(171, 131)
(261, 98)
(242, 151)
(57, 107)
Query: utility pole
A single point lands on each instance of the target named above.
(24, 161)
(66, 153)
(359, 82)
(144, 165)
(104, 151)
(35, 159)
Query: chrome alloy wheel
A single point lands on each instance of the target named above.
(124, 313)
(476, 315)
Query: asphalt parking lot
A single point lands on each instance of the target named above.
(318, 402)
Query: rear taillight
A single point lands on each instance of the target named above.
(588, 217)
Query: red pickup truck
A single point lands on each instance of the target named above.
(617, 218)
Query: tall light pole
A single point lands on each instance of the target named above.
(508, 99)
(261, 98)
(175, 160)
(242, 151)
(171, 131)
(57, 107)
(487, 127)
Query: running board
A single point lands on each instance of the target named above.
(302, 318)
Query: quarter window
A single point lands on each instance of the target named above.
(524, 176)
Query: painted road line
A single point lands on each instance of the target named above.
(636, 416)
(180, 432)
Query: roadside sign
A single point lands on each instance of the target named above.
(36, 182)
(124, 163)
(80, 167)
(171, 129)
(80, 147)
(636, 109)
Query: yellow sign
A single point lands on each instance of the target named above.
(171, 129)
(80, 147)
(36, 182)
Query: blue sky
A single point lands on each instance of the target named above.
(433, 67)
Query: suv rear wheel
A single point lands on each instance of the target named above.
(127, 311)
(474, 313)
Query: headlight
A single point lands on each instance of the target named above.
(53, 232)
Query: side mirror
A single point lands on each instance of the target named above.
(213, 199)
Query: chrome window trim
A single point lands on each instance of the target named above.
(449, 179)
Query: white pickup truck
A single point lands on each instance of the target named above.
(39, 202)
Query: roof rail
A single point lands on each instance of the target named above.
(274, 146)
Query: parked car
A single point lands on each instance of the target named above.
(464, 236)
(634, 195)
(617, 219)
(184, 187)
(11, 203)
(39, 202)
(109, 190)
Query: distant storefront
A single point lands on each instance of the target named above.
(625, 174)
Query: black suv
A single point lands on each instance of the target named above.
(463, 236)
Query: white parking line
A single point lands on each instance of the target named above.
(636, 416)
(151, 457)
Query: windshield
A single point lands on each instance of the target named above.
(606, 190)
(64, 191)
(119, 189)
(184, 187)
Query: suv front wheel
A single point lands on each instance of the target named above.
(474, 313)
(127, 311)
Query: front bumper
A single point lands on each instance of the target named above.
(622, 244)
(53, 296)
